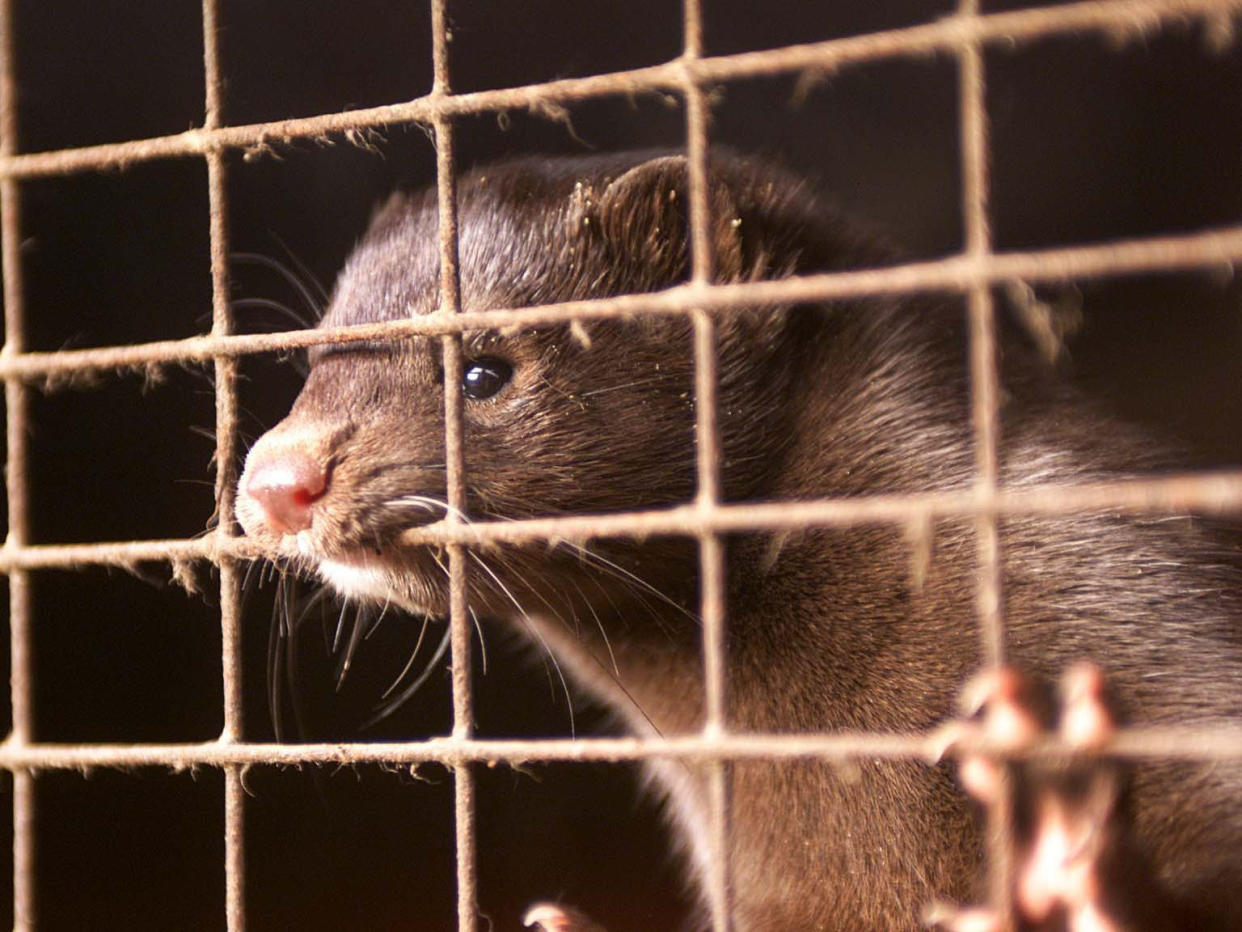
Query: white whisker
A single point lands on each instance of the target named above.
(429, 504)
(616, 388)
(525, 618)
(479, 630)
(340, 626)
(395, 703)
(422, 633)
(602, 631)
(621, 573)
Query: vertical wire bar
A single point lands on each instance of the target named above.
(707, 440)
(983, 360)
(454, 459)
(707, 432)
(226, 478)
(234, 850)
(17, 405)
(985, 415)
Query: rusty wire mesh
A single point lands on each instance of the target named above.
(972, 273)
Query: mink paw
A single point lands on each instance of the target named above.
(552, 917)
(1068, 824)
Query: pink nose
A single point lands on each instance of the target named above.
(285, 485)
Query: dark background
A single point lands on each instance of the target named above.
(1093, 138)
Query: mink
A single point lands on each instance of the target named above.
(828, 628)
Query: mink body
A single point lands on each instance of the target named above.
(828, 629)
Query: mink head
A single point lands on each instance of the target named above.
(599, 418)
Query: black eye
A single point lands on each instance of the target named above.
(482, 378)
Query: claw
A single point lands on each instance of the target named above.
(952, 918)
(551, 917)
(1085, 719)
(1002, 709)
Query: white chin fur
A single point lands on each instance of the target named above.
(356, 582)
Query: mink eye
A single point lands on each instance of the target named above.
(482, 378)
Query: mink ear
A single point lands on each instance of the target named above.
(389, 211)
(645, 211)
(394, 201)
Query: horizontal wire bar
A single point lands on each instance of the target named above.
(1191, 742)
(1208, 493)
(125, 554)
(1122, 18)
(1207, 249)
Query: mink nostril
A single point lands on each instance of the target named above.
(304, 497)
(286, 485)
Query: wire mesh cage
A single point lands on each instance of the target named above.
(1087, 149)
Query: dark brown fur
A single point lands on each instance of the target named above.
(827, 629)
